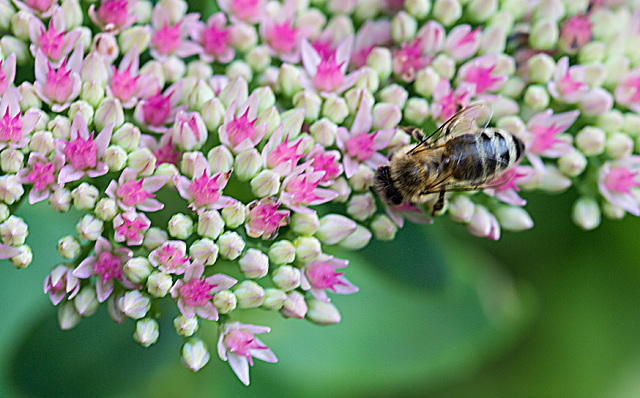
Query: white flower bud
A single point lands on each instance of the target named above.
(68, 317)
(304, 223)
(205, 251)
(135, 304)
(11, 160)
(146, 332)
(85, 196)
(195, 354)
(185, 327)
(137, 269)
(307, 248)
(68, 247)
(249, 294)
(89, 228)
(294, 306)
(383, 228)
(180, 226)
(274, 299)
(159, 284)
(322, 313)
(231, 245)
(225, 301)
(86, 301)
(266, 183)
(586, 213)
(358, 239)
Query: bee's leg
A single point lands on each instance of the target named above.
(414, 132)
(439, 203)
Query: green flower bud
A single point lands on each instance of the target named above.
(11, 160)
(418, 8)
(322, 313)
(380, 61)
(310, 102)
(447, 12)
(225, 301)
(245, 37)
(356, 96)
(205, 251)
(234, 215)
(618, 145)
(83, 108)
(138, 269)
(304, 223)
(536, 97)
(307, 249)
(60, 127)
(416, 111)
(68, 247)
(383, 228)
(541, 68)
(358, 239)
(445, 66)
(116, 157)
(185, 327)
(611, 121)
(68, 317)
(139, 36)
(335, 108)
(586, 213)
(324, 132)
(403, 27)
(210, 224)
(282, 252)
(258, 58)
(481, 10)
(591, 140)
(135, 304)
(544, 34)
(572, 164)
(159, 284)
(286, 277)
(231, 245)
(426, 81)
(266, 183)
(195, 354)
(254, 264)
(109, 111)
(513, 218)
(146, 332)
(362, 179)
(247, 164)
(200, 70)
(288, 80)
(294, 306)
(274, 299)
(29, 98)
(239, 68)
(249, 294)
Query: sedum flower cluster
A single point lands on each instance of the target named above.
(264, 122)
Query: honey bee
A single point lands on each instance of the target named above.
(461, 155)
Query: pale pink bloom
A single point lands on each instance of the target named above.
(575, 32)
(505, 187)
(240, 130)
(627, 92)
(327, 75)
(7, 72)
(300, 189)
(432, 36)
(214, 38)
(542, 136)
(462, 42)
(264, 219)
(41, 8)
(165, 151)
(129, 192)
(194, 293)
(14, 126)
(189, 131)
(409, 59)
(55, 42)
(83, 155)
(280, 155)
(446, 101)
(126, 84)
(568, 84)
(58, 87)
(203, 191)
(157, 110)
(618, 180)
(327, 161)
(113, 15)
(107, 264)
(171, 257)
(130, 227)
(168, 40)
(322, 275)
(281, 35)
(61, 282)
(243, 10)
(413, 213)
(360, 146)
(42, 173)
(480, 71)
(371, 34)
(238, 345)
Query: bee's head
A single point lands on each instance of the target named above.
(383, 186)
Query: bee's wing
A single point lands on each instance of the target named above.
(443, 184)
(474, 117)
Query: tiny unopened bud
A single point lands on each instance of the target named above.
(544, 34)
(286, 277)
(294, 306)
(92, 92)
(513, 218)
(115, 157)
(274, 299)
(138, 269)
(358, 239)
(180, 226)
(536, 97)
(362, 179)
(362, 206)
(135, 304)
(234, 215)
(403, 27)
(618, 145)
(591, 140)
(541, 68)
(11, 160)
(146, 332)
(210, 224)
(89, 228)
(184, 326)
(249, 294)
(83, 108)
(586, 213)
(225, 301)
(324, 132)
(85, 196)
(447, 12)
(334, 228)
(266, 183)
(68, 316)
(109, 111)
(159, 284)
(60, 200)
(247, 164)
(195, 354)
(68, 247)
(426, 81)
(341, 186)
(254, 264)
(310, 102)
(572, 164)
(383, 228)
(288, 80)
(380, 61)
(86, 301)
(335, 108)
(231, 245)
(322, 313)
(220, 159)
(205, 251)
(282, 252)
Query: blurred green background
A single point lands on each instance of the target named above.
(549, 312)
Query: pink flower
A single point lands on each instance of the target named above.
(130, 226)
(15, 127)
(155, 111)
(243, 10)
(126, 84)
(481, 72)
(57, 87)
(328, 74)
(7, 72)
(165, 152)
(575, 32)
(203, 190)
(300, 189)
(413, 213)
(42, 8)
(462, 42)
(327, 161)
(281, 34)
(130, 192)
(171, 257)
(54, 42)
(568, 83)
(321, 275)
(264, 219)
(194, 293)
(214, 39)
(239, 131)
(42, 173)
(618, 180)
(446, 101)
(61, 282)
(627, 92)
(358, 146)
(371, 34)
(168, 40)
(238, 345)
(542, 137)
(83, 154)
(189, 131)
(409, 59)
(282, 156)
(506, 186)
(113, 15)
(107, 264)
